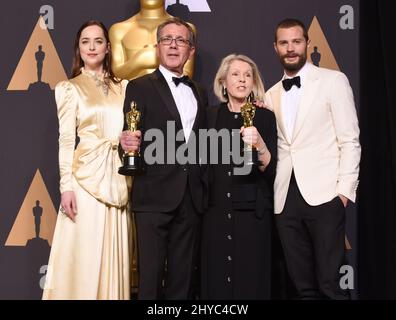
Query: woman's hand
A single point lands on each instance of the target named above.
(69, 205)
(252, 137)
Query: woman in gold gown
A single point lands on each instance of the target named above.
(91, 249)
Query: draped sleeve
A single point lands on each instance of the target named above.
(66, 101)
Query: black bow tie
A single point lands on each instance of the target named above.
(185, 79)
(289, 83)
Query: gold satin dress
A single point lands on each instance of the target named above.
(91, 258)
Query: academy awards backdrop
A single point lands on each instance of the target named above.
(37, 39)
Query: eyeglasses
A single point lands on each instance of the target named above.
(180, 42)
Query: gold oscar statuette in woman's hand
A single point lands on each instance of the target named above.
(133, 163)
(250, 153)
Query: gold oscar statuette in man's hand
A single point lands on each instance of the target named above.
(133, 163)
(250, 153)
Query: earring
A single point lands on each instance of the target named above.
(225, 94)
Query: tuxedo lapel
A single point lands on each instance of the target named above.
(307, 99)
(200, 105)
(276, 97)
(165, 93)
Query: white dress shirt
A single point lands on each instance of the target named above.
(291, 101)
(185, 100)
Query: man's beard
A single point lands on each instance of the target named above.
(296, 66)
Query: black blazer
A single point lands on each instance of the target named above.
(161, 188)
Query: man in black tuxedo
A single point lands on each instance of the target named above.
(169, 197)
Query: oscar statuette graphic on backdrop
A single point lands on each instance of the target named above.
(39, 66)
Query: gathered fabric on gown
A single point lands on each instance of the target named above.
(91, 257)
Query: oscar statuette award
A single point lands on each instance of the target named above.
(250, 153)
(132, 161)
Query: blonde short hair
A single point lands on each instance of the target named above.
(258, 87)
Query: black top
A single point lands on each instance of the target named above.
(243, 187)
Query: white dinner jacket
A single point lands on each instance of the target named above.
(324, 150)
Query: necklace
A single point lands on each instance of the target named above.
(99, 80)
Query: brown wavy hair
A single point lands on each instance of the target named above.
(78, 63)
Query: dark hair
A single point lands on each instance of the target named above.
(78, 63)
(179, 22)
(290, 23)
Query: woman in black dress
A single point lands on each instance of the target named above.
(236, 234)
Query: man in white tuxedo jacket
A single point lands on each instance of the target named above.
(318, 164)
